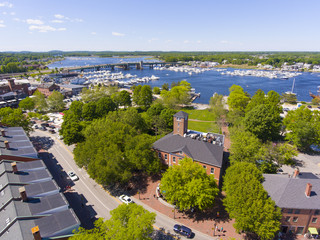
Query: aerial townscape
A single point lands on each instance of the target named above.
(143, 120)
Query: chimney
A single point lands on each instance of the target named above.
(3, 133)
(23, 194)
(6, 143)
(36, 233)
(14, 167)
(296, 173)
(11, 84)
(308, 190)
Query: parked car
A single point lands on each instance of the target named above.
(36, 126)
(52, 127)
(309, 106)
(183, 230)
(125, 199)
(52, 131)
(42, 128)
(73, 176)
(45, 124)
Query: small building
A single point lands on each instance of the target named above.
(204, 148)
(298, 196)
(13, 85)
(72, 89)
(48, 88)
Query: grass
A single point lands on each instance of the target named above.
(203, 115)
(203, 126)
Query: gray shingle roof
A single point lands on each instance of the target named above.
(198, 150)
(290, 192)
(47, 204)
(181, 114)
(41, 189)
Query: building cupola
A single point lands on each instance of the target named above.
(180, 123)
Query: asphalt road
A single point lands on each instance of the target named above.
(88, 199)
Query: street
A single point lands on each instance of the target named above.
(88, 199)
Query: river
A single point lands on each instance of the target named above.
(208, 82)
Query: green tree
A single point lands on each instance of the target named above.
(156, 90)
(238, 99)
(76, 110)
(244, 146)
(55, 102)
(165, 87)
(127, 222)
(27, 104)
(302, 127)
(71, 132)
(248, 203)
(124, 98)
(103, 106)
(187, 185)
(14, 118)
(289, 98)
(40, 101)
(264, 121)
(89, 111)
(257, 99)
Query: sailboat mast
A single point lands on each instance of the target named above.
(293, 85)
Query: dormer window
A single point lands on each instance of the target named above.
(178, 119)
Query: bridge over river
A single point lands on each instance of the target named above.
(124, 65)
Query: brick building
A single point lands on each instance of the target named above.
(298, 196)
(16, 87)
(204, 148)
(48, 88)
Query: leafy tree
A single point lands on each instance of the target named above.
(217, 106)
(302, 127)
(244, 146)
(71, 132)
(127, 222)
(264, 121)
(248, 203)
(76, 110)
(177, 95)
(103, 106)
(257, 99)
(89, 111)
(27, 104)
(289, 98)
(40, 101)
(165, 87)
(14, 118)
(187, 185)
(97, 92)
(316, 101)
(55, 101)
(156, 90)
(124, 98)
(237, 99)
(145, 97)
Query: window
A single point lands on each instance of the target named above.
(177, 129)
(295, 219)
(212, 171)
(165, 156)
(178, 124)
(178, 119)
(204, 166)
(287, 219)
(316, 212)
(299, 230)
(159, 154)
(297, 211)
(292, 229)
(290, 210)
(174, 159)
(314, 220)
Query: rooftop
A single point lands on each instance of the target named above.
(289, 192)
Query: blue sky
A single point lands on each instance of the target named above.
(166, 25)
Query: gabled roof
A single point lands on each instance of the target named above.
(181, 114)
(200, 151)
(290, 192)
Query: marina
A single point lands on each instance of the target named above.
(205, 80)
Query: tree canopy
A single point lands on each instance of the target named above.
(302, 126)
(55, 102)
(14, 118)
(130, 221)
(27, 104)
(248, 203)
(177, 95)
(238, 99)
(187, 185)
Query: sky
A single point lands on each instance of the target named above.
(166, 25)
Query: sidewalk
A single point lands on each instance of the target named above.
(204, 225)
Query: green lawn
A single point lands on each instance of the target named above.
(203, 115)
(203, 126)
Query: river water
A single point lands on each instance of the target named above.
(208, 82)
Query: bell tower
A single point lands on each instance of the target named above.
(180, 123)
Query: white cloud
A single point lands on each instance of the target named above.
(4, 13)
(57, 21)
(34, 21)
(12, 13)
(6, 4)
(186, 41)
(17, 19)
(42, 28)
(77, 20)
(93, 33)
(2, 23)
(118, 34)
(61, 29)
(59, 16)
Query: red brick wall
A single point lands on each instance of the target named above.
(178, 157)
(305, 217)
(17, 158)
(180, 127)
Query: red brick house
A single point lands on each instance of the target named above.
(48, 88)
(11, 86)
(204, 148)
(298, 196)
